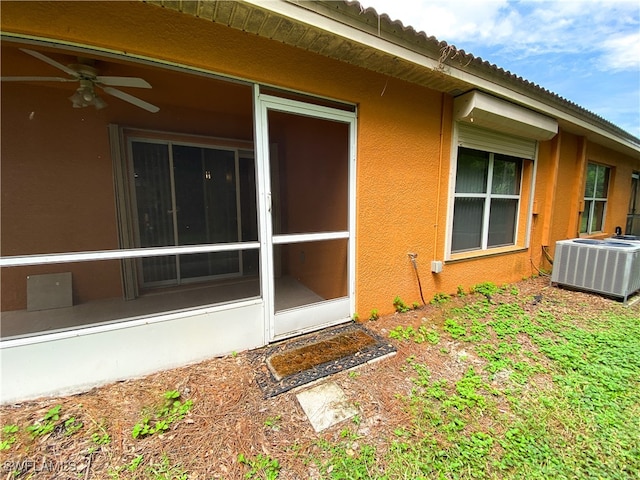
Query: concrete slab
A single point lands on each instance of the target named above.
(326, 405)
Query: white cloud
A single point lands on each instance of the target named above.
(621, 52)
(528, 27)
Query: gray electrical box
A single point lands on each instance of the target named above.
(51, 290)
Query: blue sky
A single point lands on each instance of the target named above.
(587, 51)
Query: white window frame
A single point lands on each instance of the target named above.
(486, 212)
(594, 200)
(480, 138)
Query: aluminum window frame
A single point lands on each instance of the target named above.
(487, 196)
(593, 199)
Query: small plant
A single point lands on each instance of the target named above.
(103, 439)
(272, 422)
(71, 426)
(133, 465)
(402, 333)
(47, 424)
(423, 334)
(261, 466)
(348, 460)
(402, 433)
(374, 315)
(8, 436)
(355, 317)
(487, 289)
(399, 305)
(171, 411)
(348, 434)
(431, 336)
(460, 291)
(440, 298)
(165, 471)
(415, 305)
(454, 328)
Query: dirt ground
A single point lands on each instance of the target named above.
(229, 414)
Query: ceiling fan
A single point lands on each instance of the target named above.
(85, 73)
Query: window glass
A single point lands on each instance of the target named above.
(602, 183)
(487, 200)
(467, 224)
(506, 175)
(472, 171)
(584, 219)
(502, 221)
(595, 198)
(598, 216)
(153, 193)
(591, 180)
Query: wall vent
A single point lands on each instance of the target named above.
(610, 267)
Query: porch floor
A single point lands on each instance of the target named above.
(22, 323)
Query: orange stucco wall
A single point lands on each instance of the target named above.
(403, 144)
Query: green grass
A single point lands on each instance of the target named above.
(555, 396)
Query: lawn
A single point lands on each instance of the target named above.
(519, 381)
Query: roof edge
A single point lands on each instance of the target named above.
(459, 64)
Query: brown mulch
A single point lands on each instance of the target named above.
(230, 415)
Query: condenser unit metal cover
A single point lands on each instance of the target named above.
(610, 267)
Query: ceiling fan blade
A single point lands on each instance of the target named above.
(51, 62)
(131, 99)
(37, 79)
(123, 81)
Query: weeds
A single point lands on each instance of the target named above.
(273, 422)
(402, 333)
(347, 460)
(160, 420)
(162, 470)
(47, 424)
(487, 289)
(440, 298)
(400, 306)
(262, 466)
(421, 335)
(8, 436)
(583, 425)
(455, 329)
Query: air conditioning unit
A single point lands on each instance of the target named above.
(610, 267)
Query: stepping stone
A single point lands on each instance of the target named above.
(326, 405)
